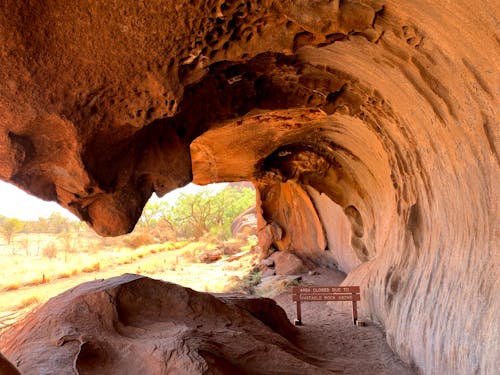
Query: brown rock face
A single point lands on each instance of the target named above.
(7, 368)
(370, 128)
(132, 324)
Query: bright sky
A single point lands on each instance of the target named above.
(15, 202)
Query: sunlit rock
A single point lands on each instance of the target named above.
(133, 324)
(384, 111)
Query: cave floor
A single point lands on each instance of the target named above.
(329, 334)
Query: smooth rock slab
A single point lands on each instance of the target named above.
(136, 325)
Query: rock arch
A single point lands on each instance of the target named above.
(387, 108)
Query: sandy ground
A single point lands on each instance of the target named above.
(328, 333)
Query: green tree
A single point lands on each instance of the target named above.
(206, 211)
(156, 222)
(57, 223)
(9, 227)
(152, 214)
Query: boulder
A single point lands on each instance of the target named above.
(268, 235)
(268, 262)
(245, 224)
(132, 324)
(286, 263)
(210, 256)
(231, 247)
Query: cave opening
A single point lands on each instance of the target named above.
(380, 113)
(178, 238)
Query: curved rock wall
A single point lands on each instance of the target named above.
(388, 109)
(337, 230)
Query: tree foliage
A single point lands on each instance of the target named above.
(9, 227)
(193, 215)
(55, 223)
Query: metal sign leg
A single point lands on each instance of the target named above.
(354, 312)
(298, 321)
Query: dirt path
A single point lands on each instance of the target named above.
(328, 333)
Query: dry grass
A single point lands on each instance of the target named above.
(22, 270)
(92, 268)
(28, 280)
(33, 300)
(63, 275)
(37, 281)
(13, 286)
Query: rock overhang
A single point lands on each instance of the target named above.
(385, 108)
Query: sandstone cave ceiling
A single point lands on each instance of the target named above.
(387, 108)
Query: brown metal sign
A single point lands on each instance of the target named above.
(326, 293)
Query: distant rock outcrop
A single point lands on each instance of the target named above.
(136, 325)
(245, 223)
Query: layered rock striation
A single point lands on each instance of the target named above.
(370, 129)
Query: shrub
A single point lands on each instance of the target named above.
(50, 251)
(136, 240)
(12, 286)
(251, 281)
(93, 268)
(107, 241)
(189, 256)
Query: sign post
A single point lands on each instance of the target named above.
(326, 293)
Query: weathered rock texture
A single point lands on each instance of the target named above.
(132, 325)
(386, 108)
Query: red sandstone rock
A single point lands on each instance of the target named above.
(286, 263)
(211, 256)
(133, 324)
(388, 109)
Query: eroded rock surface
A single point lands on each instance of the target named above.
(387, 109)
(133, 324)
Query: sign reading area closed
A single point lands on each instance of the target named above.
(326, 293)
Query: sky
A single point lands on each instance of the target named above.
(14, 202)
